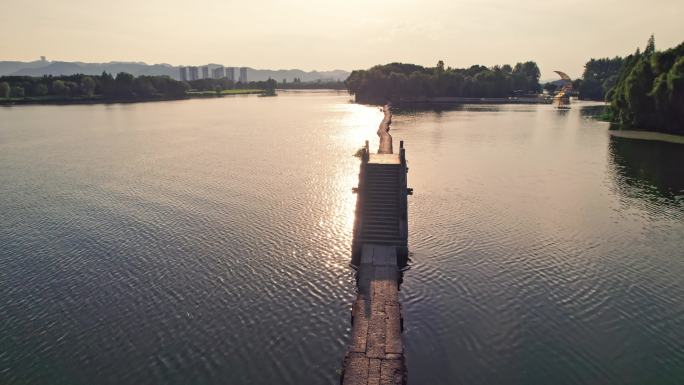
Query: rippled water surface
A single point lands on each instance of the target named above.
(207, 242)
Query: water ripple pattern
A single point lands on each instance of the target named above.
(544, 251)
(207, 242)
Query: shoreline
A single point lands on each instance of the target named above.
(448, 100)
(648, 135)
(67, 102)
(95, 100)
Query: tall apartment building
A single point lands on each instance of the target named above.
(243, 74)
(193, 73)
(183, 74)
(230, 73)
(218, 73)
(205, 72)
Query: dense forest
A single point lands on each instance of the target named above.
(599, 77)
(399, 81)
(109, 88)
(122, 87)
(649, 92)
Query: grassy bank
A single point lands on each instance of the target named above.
(204, 94)
(96, 99)
(240, 92)
(53, 99)
(648, 135)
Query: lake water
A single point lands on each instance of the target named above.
(207, 242)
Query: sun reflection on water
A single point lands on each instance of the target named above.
(351, 126)
(358, 123)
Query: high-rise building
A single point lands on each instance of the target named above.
(193, 73)
(205, 72)
(218, 73)
(183, 74)
(230, 73)
(243, 74)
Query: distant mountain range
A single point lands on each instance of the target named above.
(44, 67)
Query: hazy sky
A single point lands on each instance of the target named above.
(339, 34)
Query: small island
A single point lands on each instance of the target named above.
(411, 83)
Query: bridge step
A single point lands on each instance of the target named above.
(379, 220)
(384, 239)
(379, 204)
(381, 231)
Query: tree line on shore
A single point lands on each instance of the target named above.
(400, 81)
(598, 78)
(123, 86)
(649, 91)
(644, 90)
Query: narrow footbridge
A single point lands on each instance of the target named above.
(375, 354)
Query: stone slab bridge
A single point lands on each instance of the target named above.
(375, 354)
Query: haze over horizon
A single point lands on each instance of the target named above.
(327, 35)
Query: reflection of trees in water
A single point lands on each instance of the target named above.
(562, 111)
(592, 111)
(648, 169)
(420, 109)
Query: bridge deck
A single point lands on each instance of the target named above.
(384, 159)
(375, 355)
(381, 214)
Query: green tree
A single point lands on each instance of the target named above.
(143, 87)
(123, 86)
(576, 84)
(599, 77)
(124, 78)
(675, 89)
(59, 88)
(649, 91)
(17, 92)
(637, 86)
(650, 46)
(550, 87)
(87, 86)
(4, 90)
(73, 88)
(527, 76)
(440, 67)
(40, 89)
(177, 89)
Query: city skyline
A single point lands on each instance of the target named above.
(218, 72)
(320, 36)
